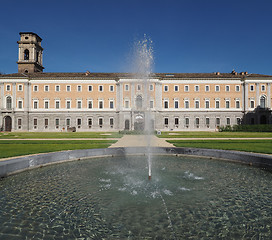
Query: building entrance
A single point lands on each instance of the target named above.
(8, 124)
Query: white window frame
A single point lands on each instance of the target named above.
(237, 88)
(263, 88)
(176, 88)
(57, 88)
(100, 88)
(68, 88)
(46, 88)
(217, 88)
(66, 104)
(90, 102)
(151, 87)
(227, 88)
(111, 88)
(100, 101)
(165, 88)
(186, 88)
(79, 104)
(37, 103)
(8, 87)
(57, 101)
(90, 88)
(207, 88)
(22, 104)
(251, 86)
(44, 104)
(126, 86)
(79, 88)
(196, 88)
(36, 88)
(20, 87)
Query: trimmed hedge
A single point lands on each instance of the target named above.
(247, 128)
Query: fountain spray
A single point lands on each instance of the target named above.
(144, 63)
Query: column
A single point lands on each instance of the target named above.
(269, 95)
(257, 95)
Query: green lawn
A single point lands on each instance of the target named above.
(12, 148)
(25, 135)
(258, 146)
(203, 134)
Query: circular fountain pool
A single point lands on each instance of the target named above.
(112, 198)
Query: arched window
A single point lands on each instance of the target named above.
(139, 101)
(9, 102)
(26, 54)
(263, 102)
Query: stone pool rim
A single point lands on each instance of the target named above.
(15, 165)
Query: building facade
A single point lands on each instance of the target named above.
(33, 100)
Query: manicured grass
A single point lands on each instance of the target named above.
(25, 135)
(203, 134)
(12, 148)
(258, 146)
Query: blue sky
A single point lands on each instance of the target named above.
(98, 35)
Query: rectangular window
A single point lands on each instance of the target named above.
(57, 104)
(20, 87)
(151, 87)
(217, 104)
(100, 122)
(197, 104)
(251, 88)
(19, 123)
(139, 87)
(187, 122)
(165, 88)
(262, 88)
(176, 104)
(165, 121)
(176, 121)
(79, 121)
(90, 104)
(197, 122)
(79, 88)
(111, 88)
(111, 122)
(237, 102)
(207, 121)
(35, 123)
(57, 123)
(186, 103)
(166, 104)
(35, 104)
(227, 88)
(207, 104)
(196, 88)
(217, 88)
(57, 88)
(100, 88)
(68, 122)
(207, 88)
(186, 88)
(252, 104)
(46, 104)
(68, 104)
(90, 88)
(46, 88)
(8, 87)
(68, 88)
(176, 88)
(228, 121)
(126, 104)
(100, 103)
(238, 121)
(126, 87)
(20, 104)
(237, 88)
(111, 105)
(35, 88)
(79, 104)
(46, 123)
(217, 121)
(151, 104)
(90, 122)
(227, 104)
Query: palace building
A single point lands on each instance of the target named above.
(33, 100)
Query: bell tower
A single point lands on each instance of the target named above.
(30, 53)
